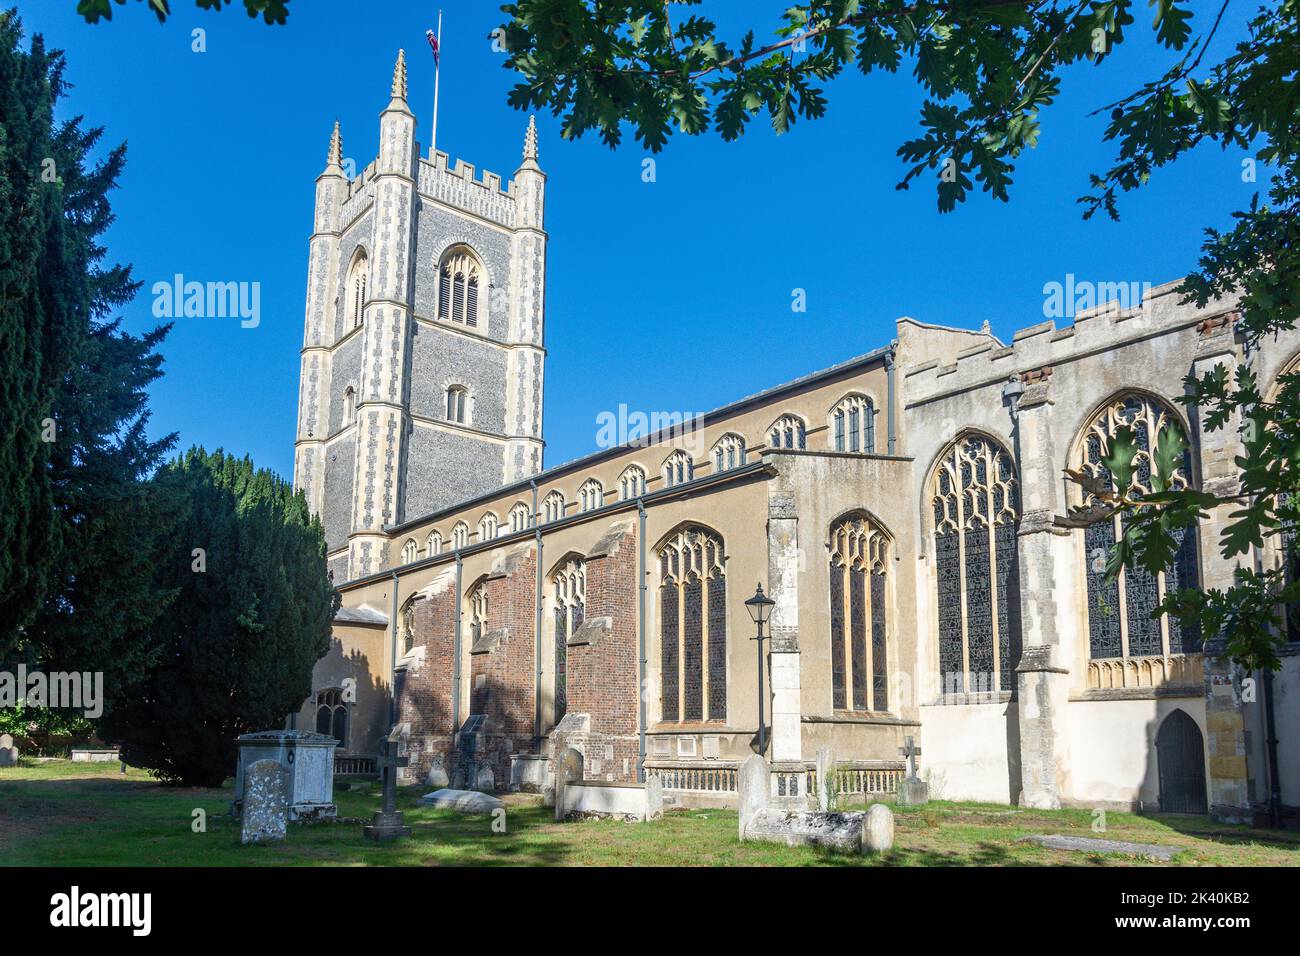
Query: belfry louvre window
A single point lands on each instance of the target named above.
(1119, 612)
(859, 615)
(693, 627)
(853, 424)
(458, 288)
(976, 507)
(788, 432)
(570, 608)
(356, 290)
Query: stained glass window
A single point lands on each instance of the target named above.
(858, 601)
(975, 504)
(570, 590)
(1120, 612)
(693, 627)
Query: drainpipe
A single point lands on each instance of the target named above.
(455, 661)
(889, 412)
(640, 638)
(537, 630)
(392, 670)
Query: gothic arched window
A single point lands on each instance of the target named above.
(859, 615)
(693, 627)
(349, 405)
(976, 507)
(1120, 622)
(853, 425)
(410, 551)
(591, 495)
(728, 453)
(631, 484)
(459, 535)
(788, 431)
(358, 276)
(478, 626)
(553, 507)
(678, 469)
(570, 583)
(487, 527)
(433, 544)
(519, 517)
(459, 277)
(457, 402)
(332, 715)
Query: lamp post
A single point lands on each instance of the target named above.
(760, 609)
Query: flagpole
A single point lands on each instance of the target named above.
(437, 71)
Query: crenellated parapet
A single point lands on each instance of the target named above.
(977, 359)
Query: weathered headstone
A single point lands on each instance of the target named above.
(308, 762)
(465, 801)
(753, 788)
(654, 797)
(8, 752)
(437, 777)
(1053, 841)
(825, 778)
(266, 809)
(878, 829)
(485, 780)
(912, 790)
(568, 768)
(388, 823)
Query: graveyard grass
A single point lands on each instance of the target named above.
(57, 813)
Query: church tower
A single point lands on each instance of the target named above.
(422, 361)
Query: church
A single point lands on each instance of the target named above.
(900, 510)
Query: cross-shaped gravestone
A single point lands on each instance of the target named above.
(910, 752)
(388, 823)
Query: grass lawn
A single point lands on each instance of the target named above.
(58, 813)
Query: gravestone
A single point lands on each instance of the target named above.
(437, 776)
(8, 752)
(753, 788)
(388, 823)
(568, 768)
(464, 801)
(266, 808)
(878, 829)
(825, 778)
(912, 790)
(485, 780)
(308, 762)
(654, 797)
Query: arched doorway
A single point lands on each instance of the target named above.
(1180, 752)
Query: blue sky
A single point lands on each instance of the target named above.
(673, 295)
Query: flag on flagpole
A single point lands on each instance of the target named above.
(433, 43)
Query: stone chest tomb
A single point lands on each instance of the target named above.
(308, 762)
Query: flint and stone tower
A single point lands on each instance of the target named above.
(422, 359)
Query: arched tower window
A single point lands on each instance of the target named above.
(591, 495)
(728, 453)
(859, 615)
(519, 517)
(553, 507)
(693, 627)
(487, 527)
(459, 535)
(433, 544)
(678, 468)
(788, 431)
(976, 507)
(631, 484)
(358, 276)
(570, 590)
(1119, 612)
(457, 403)
(853, 425)
(459, 277)
(332, 715)
(410, 551)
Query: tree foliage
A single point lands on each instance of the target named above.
(250, 618)
(73, 402)
(988, 68)
(271, 11)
